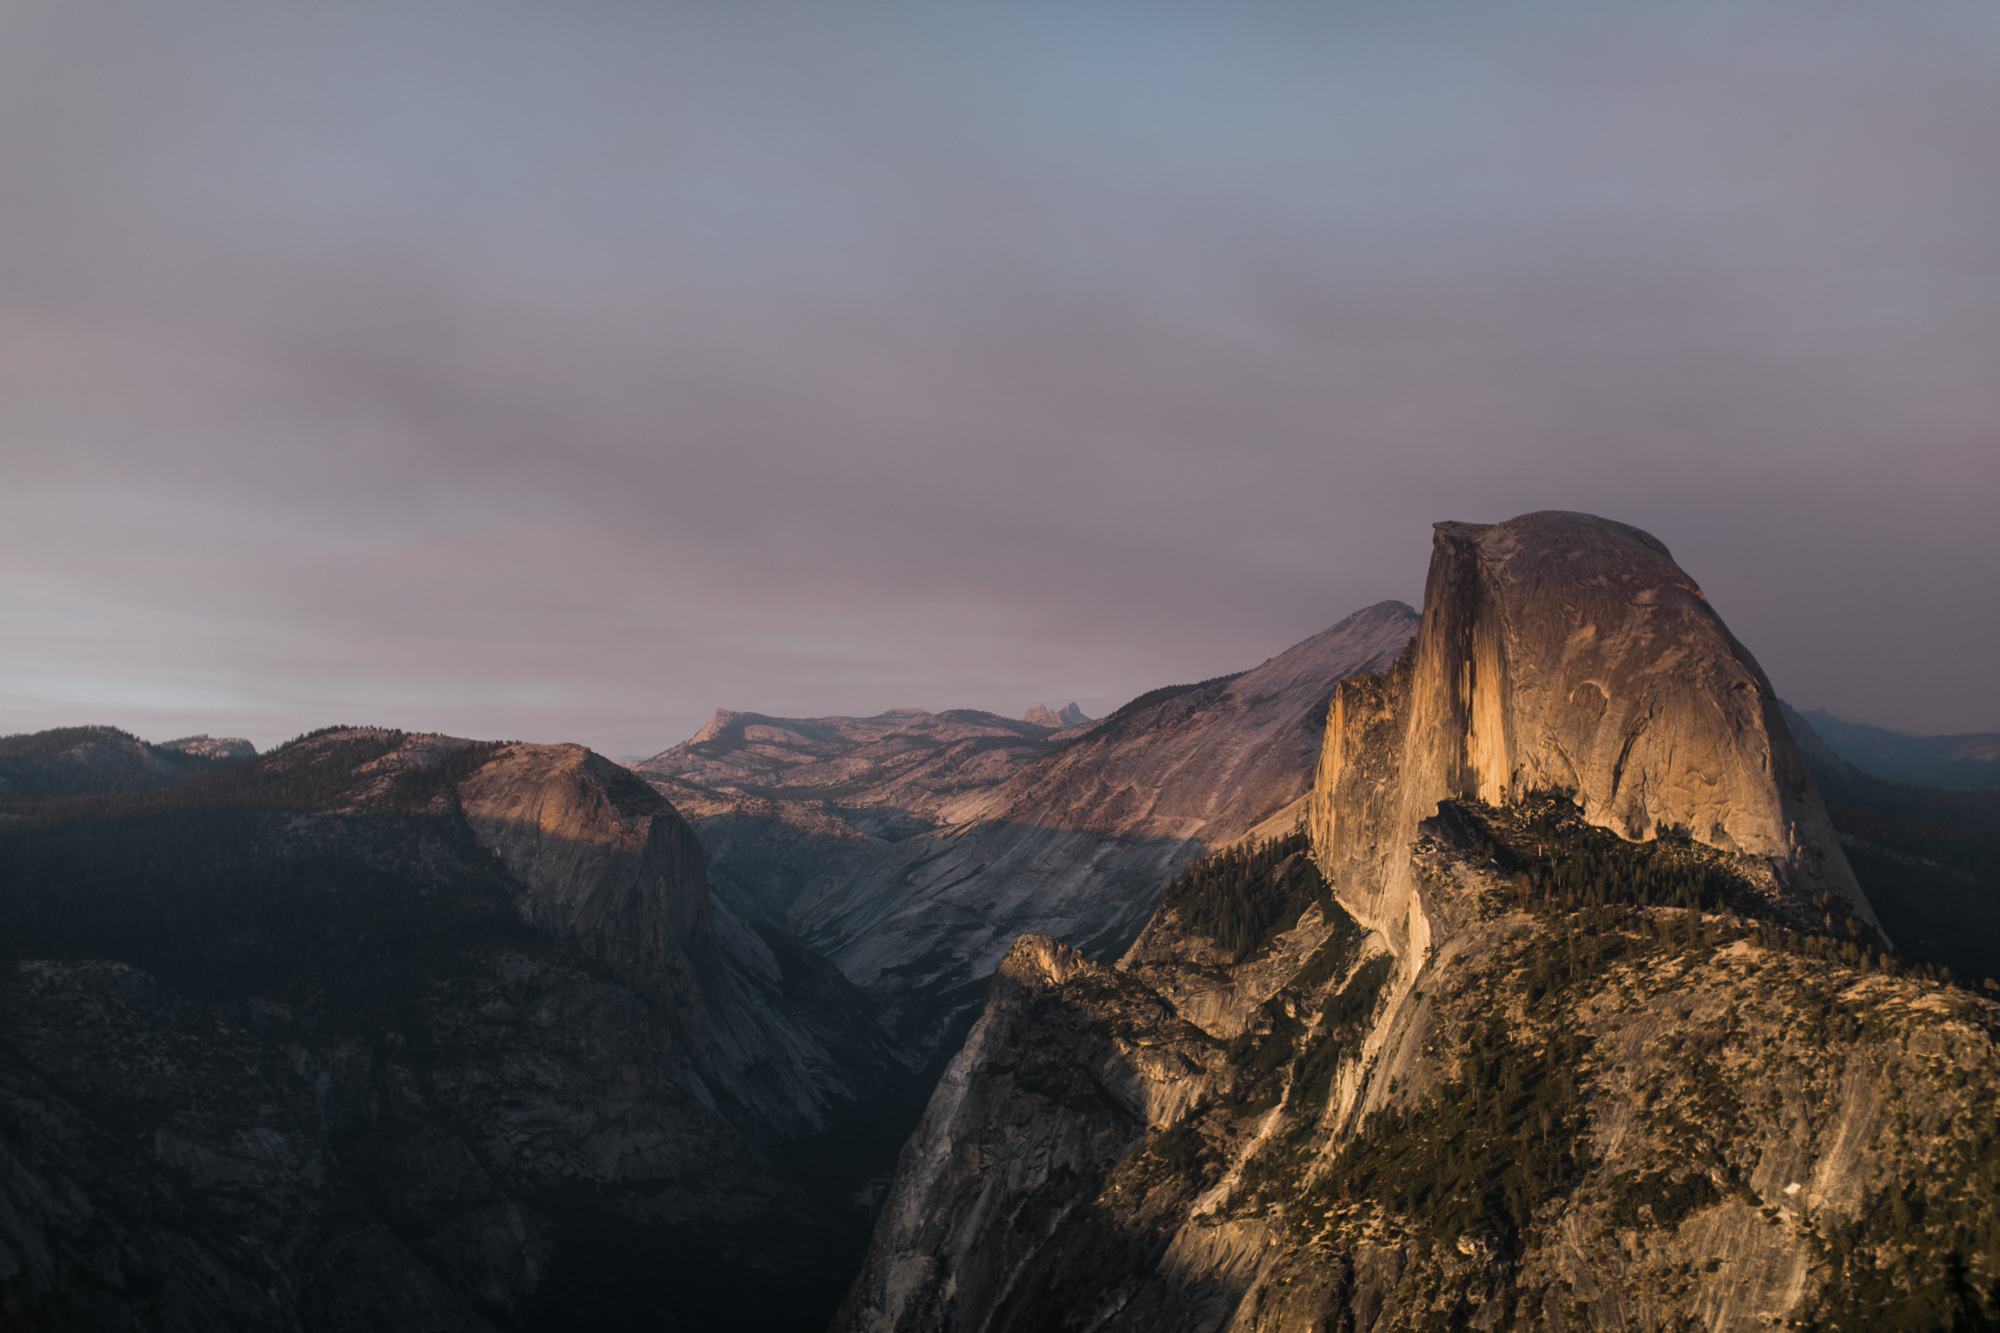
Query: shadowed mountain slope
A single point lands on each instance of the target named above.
(1968, 760)
(1076, 845)
(411, 1032)
(1928, 858)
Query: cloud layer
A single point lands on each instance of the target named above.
(568, 373)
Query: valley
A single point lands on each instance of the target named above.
(1522, 962)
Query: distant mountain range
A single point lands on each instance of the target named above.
(1968, 760)
(78, 761)
(1519, 963)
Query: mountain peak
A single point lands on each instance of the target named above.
(1564, 652)
(212, 747)
(1041, 715)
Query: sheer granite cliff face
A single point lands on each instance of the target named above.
(1559, 1067)
(1054, 1033)
(1564, 652)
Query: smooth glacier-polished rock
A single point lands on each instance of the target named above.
(1561, 651)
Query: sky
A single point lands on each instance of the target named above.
(567, 372)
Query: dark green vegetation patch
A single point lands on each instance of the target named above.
(1559, 862)
(1127, 717)
(1661, 1199)
(1483, 1151)
(80, 761)
(1912, 1261)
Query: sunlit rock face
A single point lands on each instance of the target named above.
(1574, 1032)
(604, 860)
(607, 863)
(1560, 651)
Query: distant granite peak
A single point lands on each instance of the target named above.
(1041, 715)
(212, 747)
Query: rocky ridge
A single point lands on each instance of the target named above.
(1076, 845)
(434, 1034)
(901, 772)
(79, 761)
(212, 747)
(1606, 1040)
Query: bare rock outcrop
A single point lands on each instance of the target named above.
(1561, 651)
(1072, 716)
(1063, 719)
(606, 861)
(989, 1150)
(212, 747)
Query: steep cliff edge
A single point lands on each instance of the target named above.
(1582, 1028)
(1564, 652)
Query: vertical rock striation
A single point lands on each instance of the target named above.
(1561, 651)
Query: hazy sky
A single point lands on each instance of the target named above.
(568, 371)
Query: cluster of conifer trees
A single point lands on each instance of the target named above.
(1242, 896)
